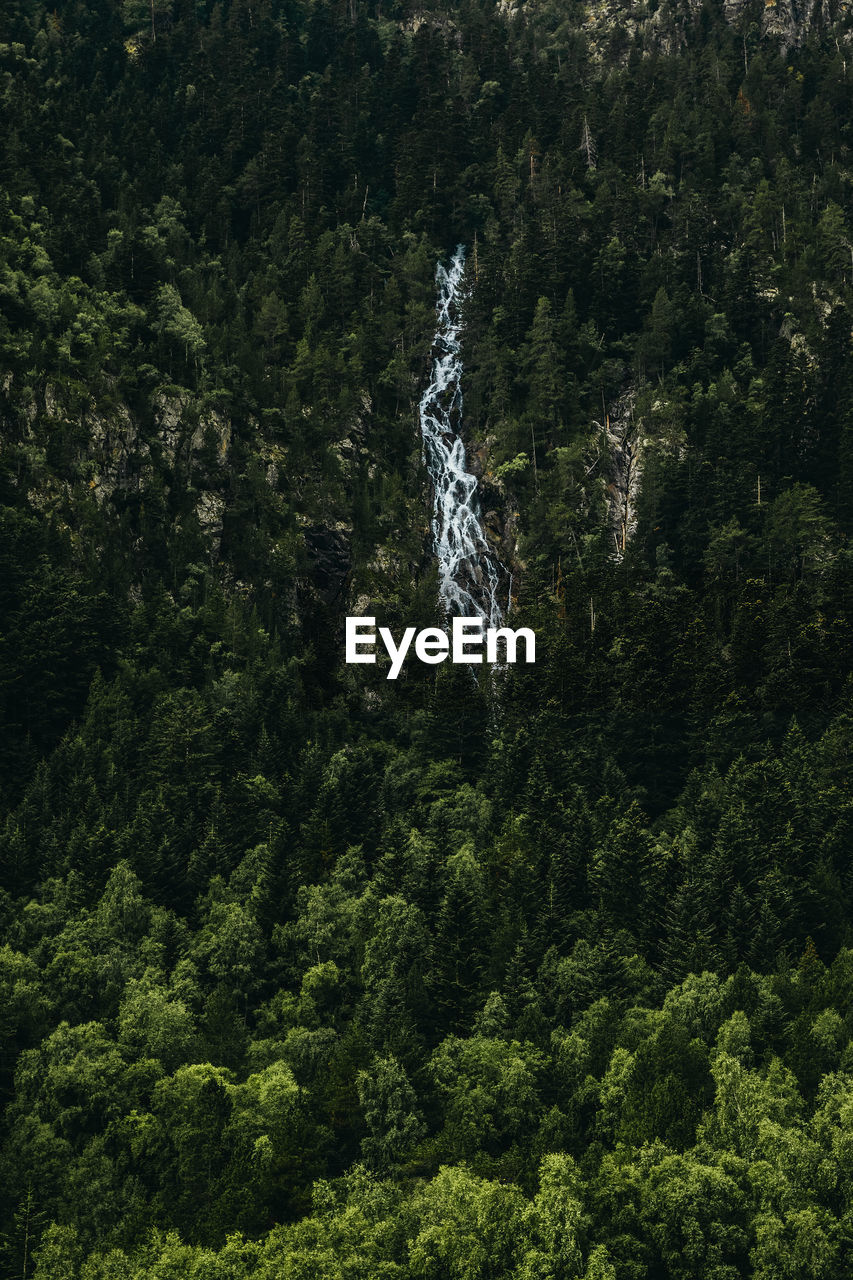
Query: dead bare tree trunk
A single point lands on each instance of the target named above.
(588, 145)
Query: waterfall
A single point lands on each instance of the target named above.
(469, 573)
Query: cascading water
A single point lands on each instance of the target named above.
(469, 574)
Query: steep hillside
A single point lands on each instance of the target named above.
(306, 972)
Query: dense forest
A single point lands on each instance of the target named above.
(310, 975)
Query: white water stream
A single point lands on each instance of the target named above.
(469, 574)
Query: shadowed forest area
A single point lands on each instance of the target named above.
(310, 975)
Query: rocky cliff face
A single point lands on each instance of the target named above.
(623, 469)
(790, 21)
(499, 513)
(70, 443)
(612, 27)
(173, 468)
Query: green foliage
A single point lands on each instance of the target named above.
(543, 978)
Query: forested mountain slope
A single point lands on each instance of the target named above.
(307, 973)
